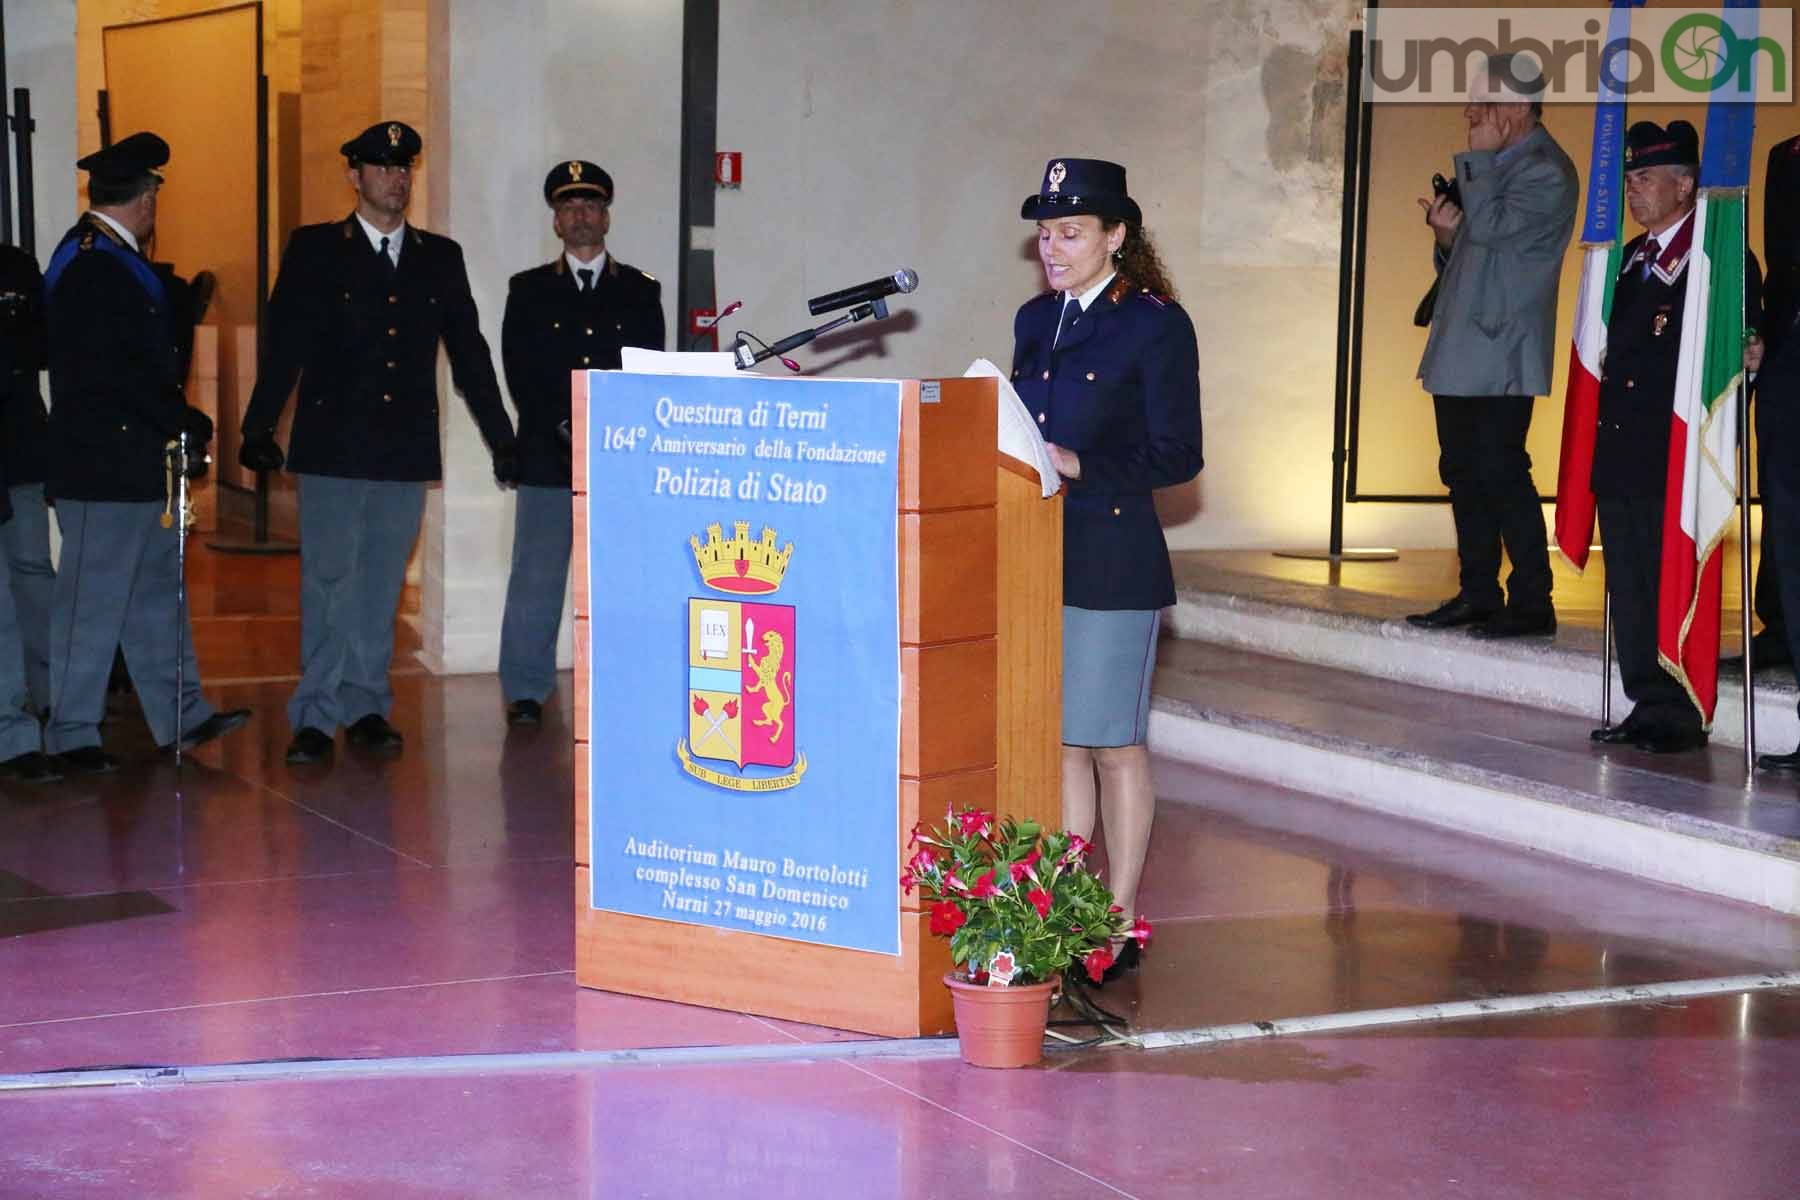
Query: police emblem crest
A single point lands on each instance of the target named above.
(742, 660)
(393, 136)
(574, 172)
(1057, 174)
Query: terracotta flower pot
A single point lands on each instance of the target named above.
(1000, 1027)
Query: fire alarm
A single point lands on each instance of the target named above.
(728, 168)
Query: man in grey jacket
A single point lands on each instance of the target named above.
(1490, 349)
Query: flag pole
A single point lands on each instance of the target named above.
(1744, 583)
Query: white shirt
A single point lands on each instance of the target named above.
(130, 237)
(1086, 298)
(597, 266)
(375, 237)
(1654, 243)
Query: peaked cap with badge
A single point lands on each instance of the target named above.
(577, 177)
(1075, 186)
(383, 144)
(127, 159)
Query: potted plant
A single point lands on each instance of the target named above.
(1020, 907)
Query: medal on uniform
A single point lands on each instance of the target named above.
(1658, 323)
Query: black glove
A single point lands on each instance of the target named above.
(260, 453)
(198, 427)
(506, 465)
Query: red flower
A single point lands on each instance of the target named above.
(947, 918)
(984, 887)
(1097, 961)
(1040, 900)
(1078, 848)
(953, 884)
(974, 821)
(922, 862)
(699, 705)
(906, 881)
(1022, 868)
(1140, 929)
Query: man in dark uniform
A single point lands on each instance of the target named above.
(571, 314)
(25, 540)
(24, 627)
(1631, 447)
(356, 316)
(116, 405)
(1781, 305)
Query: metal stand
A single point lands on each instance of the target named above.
(1350, 244)
(748, 357)
(178, 493)
(1744, 581)
(1606, 660)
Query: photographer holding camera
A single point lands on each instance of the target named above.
(1500, 232)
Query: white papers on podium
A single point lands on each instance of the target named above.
(660, 362)
(1019, 435)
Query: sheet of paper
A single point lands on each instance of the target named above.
(1019, 434)
(660, 362)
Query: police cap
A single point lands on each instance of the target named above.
(577, 177)
(384, 144)
(1648, 144)
(1072, 186)
(127, 159)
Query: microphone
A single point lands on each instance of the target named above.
(903, 280)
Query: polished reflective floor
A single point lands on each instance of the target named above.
(243, 910)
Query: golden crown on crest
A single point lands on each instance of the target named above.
(740, 565)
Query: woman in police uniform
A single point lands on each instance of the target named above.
(1107, 363)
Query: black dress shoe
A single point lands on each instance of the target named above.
(31, 767)
(1451, 613)
(1669, 741)
(1512, 623)
(309, 746)
(524, 712)
(1778, 762)
(1769, 650)
(89, 760)
(374, 733)
(1615, 735)
(217, 725)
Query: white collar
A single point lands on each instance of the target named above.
(597, 266)
(130, 237)
(1655, 242)
(1086, 298)
(394, 239)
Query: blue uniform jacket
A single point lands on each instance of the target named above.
(1122, 390)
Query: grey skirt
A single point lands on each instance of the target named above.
(1107, 660)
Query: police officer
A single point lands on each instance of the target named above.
(1631, 444)
(116, 405)
(356, 316)
(573, 313)
(25, 540)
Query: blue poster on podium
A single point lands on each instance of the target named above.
(744, 654)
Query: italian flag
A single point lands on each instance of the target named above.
(1581, 404)
(1593, 308)
(1701, 497)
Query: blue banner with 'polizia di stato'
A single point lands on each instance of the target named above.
(744, 678)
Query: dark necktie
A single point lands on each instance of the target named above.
(387, 260)
(587, 278)
(1651, 249)
(1065, 320)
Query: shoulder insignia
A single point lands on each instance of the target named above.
(87, 240)
(1155, 298)
(648, 275)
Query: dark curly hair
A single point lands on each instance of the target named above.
(1138, 260)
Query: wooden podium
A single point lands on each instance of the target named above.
(981, 715)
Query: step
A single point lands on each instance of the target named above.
(1366, 632)
(1520, 773)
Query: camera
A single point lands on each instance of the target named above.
(1447, 188)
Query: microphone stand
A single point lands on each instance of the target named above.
(748, 357)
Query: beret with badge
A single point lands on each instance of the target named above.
(577, 177)
(384, 144)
